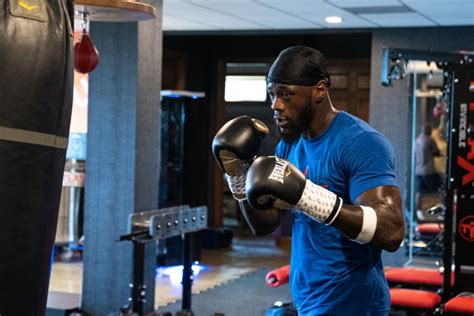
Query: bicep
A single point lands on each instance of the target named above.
(387, 196)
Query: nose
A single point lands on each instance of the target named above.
(277, 105)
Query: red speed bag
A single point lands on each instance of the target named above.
(438, 110)
(86, 56)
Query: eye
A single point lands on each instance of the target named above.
(285, 95)
(271, 94)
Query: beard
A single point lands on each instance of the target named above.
(295, 128)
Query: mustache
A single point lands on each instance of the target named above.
(291, 133)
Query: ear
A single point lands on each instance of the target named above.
(319, 91)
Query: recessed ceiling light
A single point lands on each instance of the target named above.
(333, 19)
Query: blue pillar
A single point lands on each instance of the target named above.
(122, 168)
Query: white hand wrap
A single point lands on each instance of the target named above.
(237, 186)
(319, 203)
(369, 225)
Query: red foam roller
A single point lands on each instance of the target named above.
(416, 299)
(278, 276)
(414, 276)
(460, 304)
(430, 228)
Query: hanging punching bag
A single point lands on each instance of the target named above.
(36, 84)
(86, 56)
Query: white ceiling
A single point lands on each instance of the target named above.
(260, 15)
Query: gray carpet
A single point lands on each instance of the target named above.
(246, 296)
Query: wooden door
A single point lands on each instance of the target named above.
(350, 84)
(174, 71)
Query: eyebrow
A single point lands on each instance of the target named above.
(272, 86)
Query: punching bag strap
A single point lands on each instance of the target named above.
(35, 138)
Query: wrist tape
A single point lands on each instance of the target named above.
(319, 203)
(237, 186)
(369, 225)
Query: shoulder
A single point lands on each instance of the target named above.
(356, 133)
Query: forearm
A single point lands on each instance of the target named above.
(261, 222)
(389, 230)
(376, 219)
(273, 182)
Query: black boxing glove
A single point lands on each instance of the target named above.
(273, 182)
(235, 146)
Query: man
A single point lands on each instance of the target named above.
(427, 179)
(335, 173)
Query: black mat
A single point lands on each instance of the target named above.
(246, 296)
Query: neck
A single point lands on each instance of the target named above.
(323, 115)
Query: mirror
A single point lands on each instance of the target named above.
(425, 216)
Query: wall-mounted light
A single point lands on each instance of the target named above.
(333, 19)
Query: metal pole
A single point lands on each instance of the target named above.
(187, 281)
(138, 288)
(411, 213)
(450, 192)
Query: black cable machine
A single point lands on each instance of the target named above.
(155, 225)
(174, 221)
(458, 91)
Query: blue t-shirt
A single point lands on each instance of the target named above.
(330, 274)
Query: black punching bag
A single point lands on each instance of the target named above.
(36, 85)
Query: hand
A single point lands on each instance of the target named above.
(273, 182)
(235, 146)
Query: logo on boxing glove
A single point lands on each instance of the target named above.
(280, 171)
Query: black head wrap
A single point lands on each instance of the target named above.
(299, 65)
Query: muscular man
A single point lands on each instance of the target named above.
(336, 174)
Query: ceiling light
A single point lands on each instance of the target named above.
(333, 19)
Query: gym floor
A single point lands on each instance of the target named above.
(245, 255)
